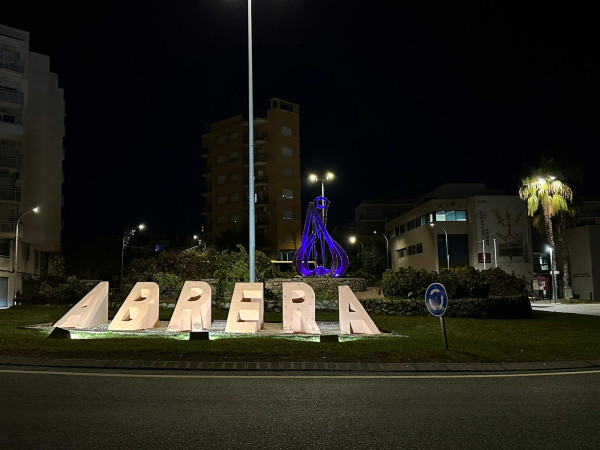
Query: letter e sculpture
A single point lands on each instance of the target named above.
(353, 317)
(299, 309)
(192, 312)
(246, 313)
(90, 311)
(139, 311)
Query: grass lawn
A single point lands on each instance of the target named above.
(546, 337)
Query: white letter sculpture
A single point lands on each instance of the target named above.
(90, 311)
(246, 313)
(139, 311)
(353, 317)
(192, 312)
(299, 309)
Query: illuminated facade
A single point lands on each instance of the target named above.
(32, 112)
(277, 179)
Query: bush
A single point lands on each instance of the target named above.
(70, 291)
(406, 282)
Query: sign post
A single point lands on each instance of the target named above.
(436, 300)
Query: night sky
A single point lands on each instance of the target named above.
(395, 98)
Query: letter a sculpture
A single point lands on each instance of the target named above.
(317, 247)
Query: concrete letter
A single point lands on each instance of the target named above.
(139, 311)
(299, 309)
(246, 313)
(192, 312)
(90, 311)
(353, 317)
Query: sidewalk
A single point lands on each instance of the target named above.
(7, 361)
(592, 309)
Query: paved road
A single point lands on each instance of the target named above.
(592, 309)
(135, 409)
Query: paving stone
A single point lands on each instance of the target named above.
(153, 365)
(263, 366)
(482, 367)
(321, 366)
(432, 367)
(298, 366)
(524, 366)
(123, 364)
(201, 365)
(228, 366)
(397, 367)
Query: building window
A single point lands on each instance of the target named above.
(234, 218)
(288, 236)
(4, 248)
(234, 155)
(287, 172)
(287, 193)
(220, 140)
(401, 253)
(220, 160)
(461, 216)
(288, 215)
(234, 197)
(221, 219)
(450, 216)
(221, 200)
(286, 131)
(234, 135)
(221, 179)
(234, 177)
(286, 151)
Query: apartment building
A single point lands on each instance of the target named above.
(276, 178)
(32, 111)
(483, 229)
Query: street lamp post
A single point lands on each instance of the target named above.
(354, 240)
(16, 258)
(433, 224)
(387, 248)
(553, 273)
(127, 235)
(314, 179)
(251, 199)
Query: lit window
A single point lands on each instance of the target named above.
(287, 193)
(461, 216)
(451, 216)
(287, 215)
(440, 216)
(286, 131)
(286, 151)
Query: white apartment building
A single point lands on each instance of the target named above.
(468, 215)
(32, 111)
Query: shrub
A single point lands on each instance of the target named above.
(503, 284)
(406, 282)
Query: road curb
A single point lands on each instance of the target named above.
(297, 366)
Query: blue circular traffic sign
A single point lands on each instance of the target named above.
(436, 299)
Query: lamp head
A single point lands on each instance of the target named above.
(352, 239)
(313, 178)
(36, 209)
(432, 224)
(329, 176)
(141, 226)
(195, 236)
(549, 249)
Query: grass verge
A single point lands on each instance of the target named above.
(546, 337)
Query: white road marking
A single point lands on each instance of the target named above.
(313, 377)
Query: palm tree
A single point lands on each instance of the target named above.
(544, 191)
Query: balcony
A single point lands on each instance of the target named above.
(260, 138)
(10, 159)
(10, 194)
(16, 65)
(7, 227)
(260, 159)
(206, 170)
(10, 96)
(258, 180)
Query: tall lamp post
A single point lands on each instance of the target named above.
(16, 259)
(387, 245)
(433, 224)
(127, 235)
(313, 178)
(251, 200)
(553, 272)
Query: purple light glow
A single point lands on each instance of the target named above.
(317, 245)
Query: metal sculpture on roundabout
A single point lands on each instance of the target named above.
(317, 248)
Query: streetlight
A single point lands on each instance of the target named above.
(433, 224)
(16, 259)
(387, 245)
(251, 199)
(329, 176)
(552, 272)
(353, 240)
(127, 235)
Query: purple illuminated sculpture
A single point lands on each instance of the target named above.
(317, 247)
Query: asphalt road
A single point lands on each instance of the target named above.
(337, 410)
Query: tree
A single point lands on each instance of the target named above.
(546, 194)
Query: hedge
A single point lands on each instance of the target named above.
(466, 308)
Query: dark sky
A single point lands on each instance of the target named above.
(396, 97)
